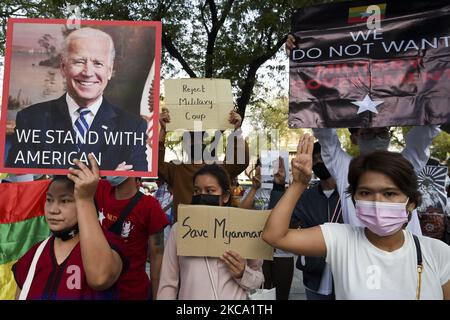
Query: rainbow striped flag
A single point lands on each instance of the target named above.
(359, 14)
(22, 224)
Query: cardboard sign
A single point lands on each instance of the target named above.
(210, 231)
(347, 71)
(208, 101)
(74, 90)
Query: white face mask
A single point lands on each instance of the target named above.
(375, 144)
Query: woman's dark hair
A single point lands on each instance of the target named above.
(220, 174)
(69, 183)
(393, 165)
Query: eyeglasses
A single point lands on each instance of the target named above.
(368, 135)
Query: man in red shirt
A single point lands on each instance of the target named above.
(141, 229)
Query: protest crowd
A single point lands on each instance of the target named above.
(99, 217)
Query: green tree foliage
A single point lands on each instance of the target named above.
(347, 145)
(271, 118)
(266, 115)
(440, 149)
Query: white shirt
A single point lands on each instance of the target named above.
(326, 283)
(363, 271)
(73, 107)
(337, 161)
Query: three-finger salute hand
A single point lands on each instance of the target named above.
(302, 163)
(256, 179)
(280, 176)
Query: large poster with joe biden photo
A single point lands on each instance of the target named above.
(76, 89)
(370, 64)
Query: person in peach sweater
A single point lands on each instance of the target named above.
(229, 277)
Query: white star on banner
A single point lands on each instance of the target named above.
(101, 216)
(367, 105)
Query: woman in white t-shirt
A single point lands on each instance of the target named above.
(380, 261)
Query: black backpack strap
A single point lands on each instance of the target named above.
(419, 266)
(419, 252)
(117, 226)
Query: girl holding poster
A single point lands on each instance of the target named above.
(229, 277)
(78, 261)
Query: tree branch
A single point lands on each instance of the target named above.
(225, 13)
(212, 36)
(213, 9)
(202, 11)
(173, 51)
(250, 80)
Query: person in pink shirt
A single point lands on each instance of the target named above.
(229, 277)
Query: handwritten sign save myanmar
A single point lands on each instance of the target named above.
(349, 72)
(210, 231)
(198, 104)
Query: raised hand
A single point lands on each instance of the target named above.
(235, 119)
(256, 177)
(280, 176)
(85, 179)
(164, 118)
(290, 43)
(256, 181)
(123, 166)
(302, 163)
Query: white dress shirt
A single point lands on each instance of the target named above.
(73, 110)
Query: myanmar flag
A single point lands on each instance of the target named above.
(359, 14)
(22, 224)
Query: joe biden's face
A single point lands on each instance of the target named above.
(87, 69)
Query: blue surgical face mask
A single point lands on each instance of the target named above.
(116, 180)
(375, 144)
